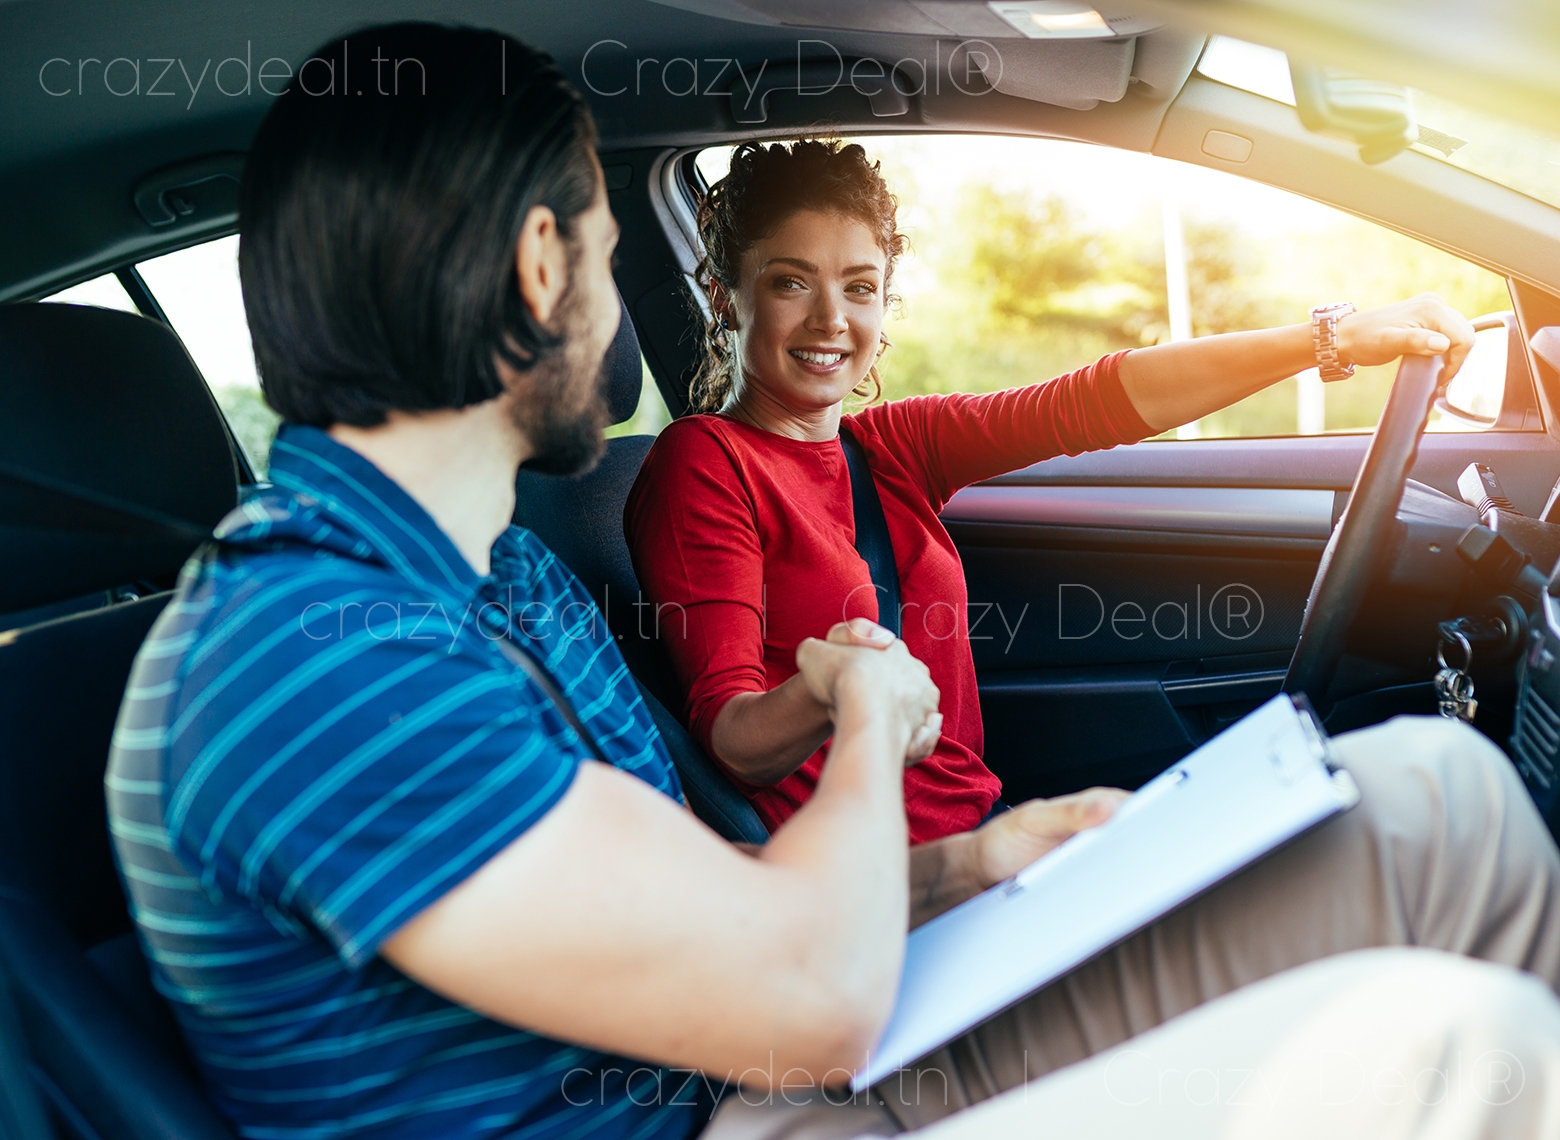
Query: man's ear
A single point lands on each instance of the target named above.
(541, 263)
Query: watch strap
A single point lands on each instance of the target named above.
(1324, 337)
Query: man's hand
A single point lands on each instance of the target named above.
(1421, 326)
(1015, 839)
(764, 737)
(860, 661)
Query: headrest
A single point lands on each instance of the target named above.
(622, 369)
(114, 461)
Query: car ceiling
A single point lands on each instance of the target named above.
(69, 164)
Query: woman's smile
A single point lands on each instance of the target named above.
(821, 361)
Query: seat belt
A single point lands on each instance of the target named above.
(543, 681)
(62, 505)
(704, 787)
(872, 541)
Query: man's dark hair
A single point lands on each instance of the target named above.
(381, 205)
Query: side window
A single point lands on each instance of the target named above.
(1032, 257)
(199, 293)
(103, 292)
(198, 290)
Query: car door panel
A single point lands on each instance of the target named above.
(1527, 463)
(1126, 605)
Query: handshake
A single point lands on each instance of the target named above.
(860, 669)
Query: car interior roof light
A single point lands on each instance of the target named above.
(1053, 19)
(1251, 67)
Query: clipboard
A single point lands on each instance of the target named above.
(1254, 787)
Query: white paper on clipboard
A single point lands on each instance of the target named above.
(1258, 784)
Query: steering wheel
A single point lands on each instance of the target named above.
(1354, 551)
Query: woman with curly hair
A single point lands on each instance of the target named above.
(741, 523)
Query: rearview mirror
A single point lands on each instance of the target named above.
(1376, 115)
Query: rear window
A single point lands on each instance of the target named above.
(104, 292)
(199, 293)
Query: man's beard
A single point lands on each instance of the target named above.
(565, 411)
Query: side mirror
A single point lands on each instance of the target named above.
(1377, 115)
(1492, 389)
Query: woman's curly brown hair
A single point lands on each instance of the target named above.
(766, 185)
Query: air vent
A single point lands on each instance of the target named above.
(1536, 739)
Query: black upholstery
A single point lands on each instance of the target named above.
(91, 1040)
(710, 794)
(114, 464)
(580, 517)
(60, 686)
(113, 457)
(623, 369)
(103, 1045)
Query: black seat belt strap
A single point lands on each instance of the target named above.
(872, 540)
(533, 669)
(69, 506)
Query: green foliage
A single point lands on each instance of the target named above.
(1034, 261)
(252, 421)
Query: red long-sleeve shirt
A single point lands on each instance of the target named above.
(745, 540)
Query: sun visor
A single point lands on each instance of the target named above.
(1079, 74)
(1010, 45)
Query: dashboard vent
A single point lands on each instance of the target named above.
(1536, 739)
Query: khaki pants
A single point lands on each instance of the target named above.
(1443, 851)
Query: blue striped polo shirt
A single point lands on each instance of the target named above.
(320, 737)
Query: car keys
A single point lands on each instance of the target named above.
(1454, 685)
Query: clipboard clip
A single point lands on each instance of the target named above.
(1315, 733)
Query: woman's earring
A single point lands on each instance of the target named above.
(725, 324)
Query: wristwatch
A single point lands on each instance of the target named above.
(1324, 335)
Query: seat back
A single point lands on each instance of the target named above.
(104, 1049)
(114, 461)
(109, 473)
(22, 1114)
(580, 518)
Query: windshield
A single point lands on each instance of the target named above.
(1516, 156)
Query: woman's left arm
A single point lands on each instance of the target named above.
(1174, 384)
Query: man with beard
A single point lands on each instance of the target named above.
(409, 859)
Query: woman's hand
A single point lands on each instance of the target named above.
(1015, 839)
(945, 872)
(860, 631)
(764, 737)
(1421, 326)
(861, 664)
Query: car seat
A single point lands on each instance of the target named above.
(115, 465)
(580, 518)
